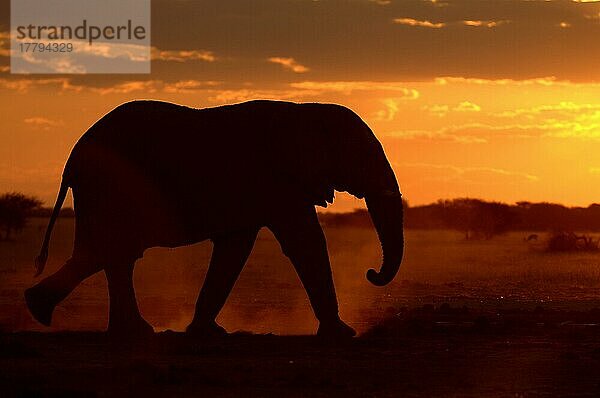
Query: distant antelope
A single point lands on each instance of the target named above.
(532, 237)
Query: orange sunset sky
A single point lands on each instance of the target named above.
(491, 99)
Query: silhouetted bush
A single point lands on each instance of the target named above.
(569, 241)
(14, 210)
(477, 219)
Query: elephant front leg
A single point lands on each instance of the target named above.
(124, 318)
(230, 253)
(302, 240)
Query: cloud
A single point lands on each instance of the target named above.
(482, 127)
(593, 16)
(55, 64)
(479, 133)
(390, 111)
(381, 2)
(564, 25)
(466, 172)
(439, 135)
(562, 120)
(485, 24)
(437, 3)
(574, 129)
(469, 133)
(437, 110)
(289, 63)
(24, 85)
(42, 122)
(416, 22)
(132, 52)
(347, 87)
(148, 86)
(186, 86)
(311, 89)
(548, 81)
(153, 86)
(442, 110)
(182, 55)
(62, 85)
(245, 94)
(563, 107)
(82, 55)
(4, 44)
(438, 25)
(541, 81)
(467, 106)
(584, 127)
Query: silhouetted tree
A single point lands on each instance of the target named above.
(476, 218)
(14, 210)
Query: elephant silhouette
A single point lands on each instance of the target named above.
(152, 173)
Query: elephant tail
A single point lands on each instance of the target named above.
(40, 261)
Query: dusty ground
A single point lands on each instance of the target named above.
(427, 351)
(520, 322)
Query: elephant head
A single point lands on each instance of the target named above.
(369, 174)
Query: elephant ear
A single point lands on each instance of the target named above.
(315, 174)
(305, 164)
(310, 174)
(322, 195)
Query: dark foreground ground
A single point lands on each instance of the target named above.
(425, 351)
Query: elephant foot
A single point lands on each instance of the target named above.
(336, 329)
(138, 329)
(40, 304)
(206, 330)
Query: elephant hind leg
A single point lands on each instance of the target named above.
(42, 298)
(303, 242)
(230, 253)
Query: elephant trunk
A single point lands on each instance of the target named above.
(386, 212)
